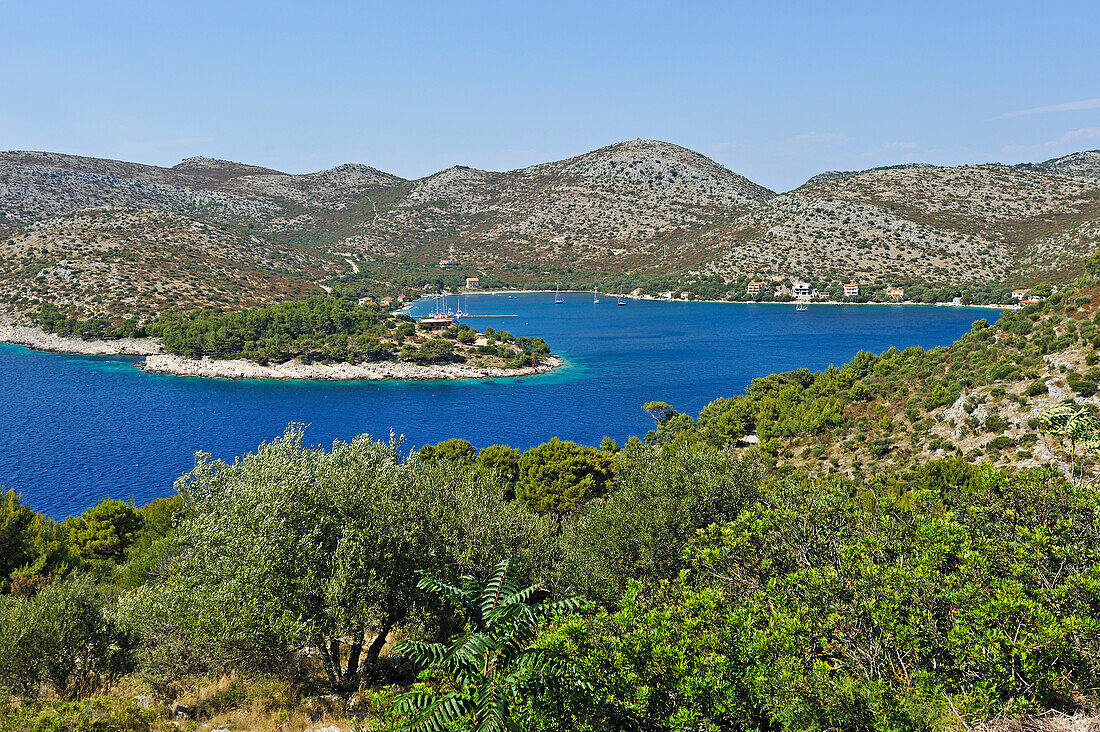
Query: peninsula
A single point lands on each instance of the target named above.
(330, 338)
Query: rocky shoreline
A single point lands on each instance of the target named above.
(40, 340)
(367, 371)
(158, 362)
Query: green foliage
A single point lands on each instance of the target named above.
(501, 462)
(50, 319)
(667, 659)
(1092, 265)
(1078, 430)
(32, 546)
(726, 420)
(454, 450)
(826, 604)
(94, 714)
(1036, 388)
(558, 476)
(61, 638)
(296, 546)
(105, 531)
(492, 668)
(659, 411)
(662, 498)
(15, 535)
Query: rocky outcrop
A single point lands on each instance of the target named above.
(40, 340)
(367, 371)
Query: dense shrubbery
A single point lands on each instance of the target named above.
(331, 328)
(319, 328)
(50, 319)
(732, 597)
(830, 605)
(727, 590)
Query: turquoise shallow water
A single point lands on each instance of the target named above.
(76, 429)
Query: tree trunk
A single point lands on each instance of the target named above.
(354, 651)
(334, 652)
(327, 659)
(378, 642)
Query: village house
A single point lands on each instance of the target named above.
(636, 292)
(1020, 294)
(436, 323)
(472, 283)
(755, 288)
(685, 295)
(897, 293)
(803, 290)
(446, 262)
(851, 289)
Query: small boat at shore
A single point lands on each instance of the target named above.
(622, 297)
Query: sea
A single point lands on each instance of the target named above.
(77, 429)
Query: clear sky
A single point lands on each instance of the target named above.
(775, 91)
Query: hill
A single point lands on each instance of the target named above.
(112, 238)
(936, 225)
(981, 399)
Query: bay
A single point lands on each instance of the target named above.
(76, 429)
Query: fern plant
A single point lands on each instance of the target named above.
(1078, 426)
(492, 667)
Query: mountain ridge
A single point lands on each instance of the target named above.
(634, 211)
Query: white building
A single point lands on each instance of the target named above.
(897, 293)
(851, 289)
(472, 283)
(803, 291)
(755, 288)
(1020, 294)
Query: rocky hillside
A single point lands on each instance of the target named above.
(938, 225)
(110, 236)
(1085, 164)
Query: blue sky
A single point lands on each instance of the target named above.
(775, 91)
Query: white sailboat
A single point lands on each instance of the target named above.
(557, 296)
(622, 297)
(595, 297)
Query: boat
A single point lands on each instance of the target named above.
(622, 297)
(557, 297)
(801, 306)
(595, 297)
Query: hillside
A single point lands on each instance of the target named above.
(970, 224)
(980, 399)
(114, 238)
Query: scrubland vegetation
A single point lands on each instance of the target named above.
(848, 569)
(327, 329)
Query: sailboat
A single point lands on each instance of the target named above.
(622, 297)
(595, 297)
(557, 296)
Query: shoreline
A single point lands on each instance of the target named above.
(158, 362)
(236, 369)
(653, 298)
(39, 340)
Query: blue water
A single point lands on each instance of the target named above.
(76, 429)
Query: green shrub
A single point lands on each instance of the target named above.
(1083, 387)
(559, 476)
(1036, 388)
(95, 714)
(61, 637)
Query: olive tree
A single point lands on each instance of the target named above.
(663, 496)
(62, 638)
(297, 547)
